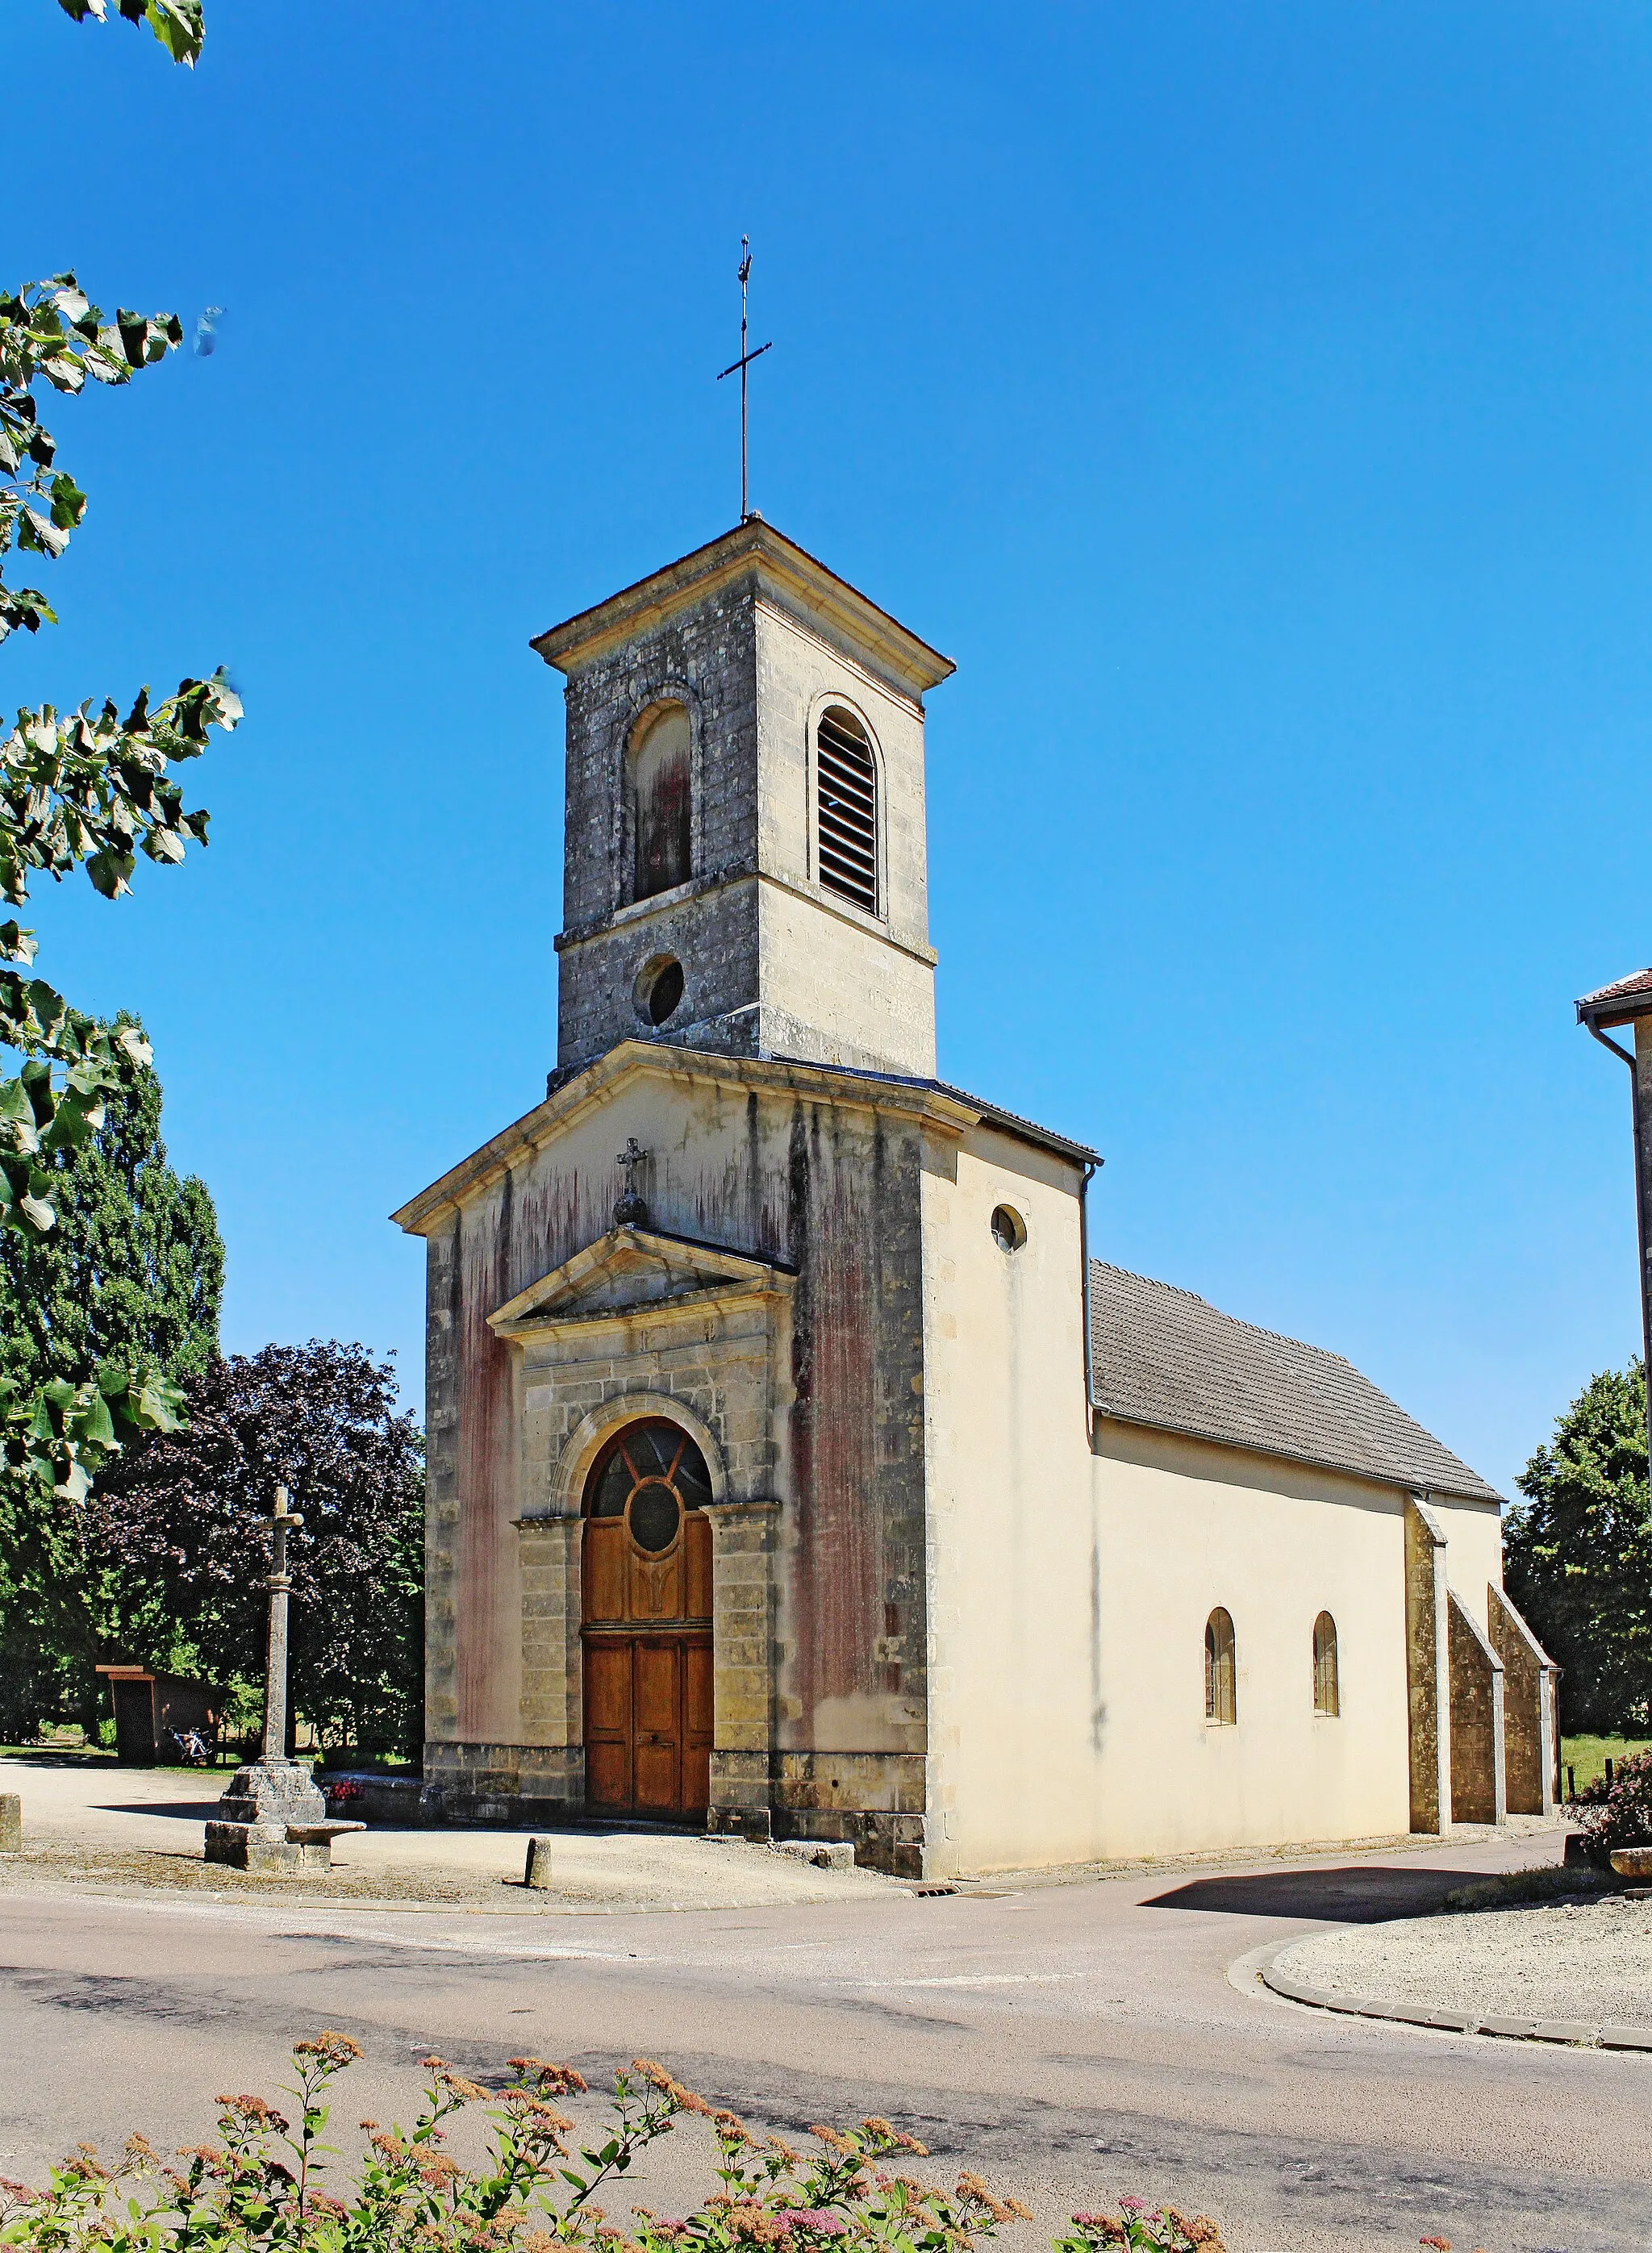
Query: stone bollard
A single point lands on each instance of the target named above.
(10, 1822)
(537, 1870)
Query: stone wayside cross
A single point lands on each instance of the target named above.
(280, 1586)
(272, 1819)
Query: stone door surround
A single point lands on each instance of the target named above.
(643, 1325)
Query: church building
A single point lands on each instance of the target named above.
(796, 1466)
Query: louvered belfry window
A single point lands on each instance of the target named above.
(846, 808)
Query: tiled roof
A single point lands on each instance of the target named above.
(1012, 1123)
(1165, 1357)
(1631, 990)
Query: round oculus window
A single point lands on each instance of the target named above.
(658, 989)
(1009, 1230)
(653, 1517)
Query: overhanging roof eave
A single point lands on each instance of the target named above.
(1393, 1482)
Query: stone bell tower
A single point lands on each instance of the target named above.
(744, 867)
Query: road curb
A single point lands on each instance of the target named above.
(1568, 2033)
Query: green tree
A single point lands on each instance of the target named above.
(181, 1525)
(132, 1273)
(88, 790)
(1578, 1554)
(135, 1268)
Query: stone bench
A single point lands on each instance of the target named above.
(274, 1849)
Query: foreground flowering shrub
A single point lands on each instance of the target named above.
(1137, 2224)
(1621, 1816)
(260, 2188)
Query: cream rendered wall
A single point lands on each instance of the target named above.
(1474, 1550)
(1070, 1592)
(863, 985)
(823, 966)
(1185, 1526)
(1015, 1773)
(796, 670)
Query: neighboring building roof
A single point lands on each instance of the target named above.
(1615, 1005)
(1166, 1358)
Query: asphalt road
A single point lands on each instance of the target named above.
(1071, 2042)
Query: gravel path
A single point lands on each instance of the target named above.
(93, 1821)
(1590, 1961)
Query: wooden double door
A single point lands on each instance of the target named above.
(646, 1629)
(648, 1723)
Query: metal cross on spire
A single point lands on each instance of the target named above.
(742, 364)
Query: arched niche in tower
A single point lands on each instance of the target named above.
(661, 790)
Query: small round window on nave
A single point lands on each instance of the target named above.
(1009, 1230)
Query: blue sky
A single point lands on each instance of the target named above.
(1254, 403)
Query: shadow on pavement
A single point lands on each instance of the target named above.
(185, 1811)
(1360, 1896)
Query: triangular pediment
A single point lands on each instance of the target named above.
(628, 1271)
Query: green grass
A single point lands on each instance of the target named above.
(97, 1756)
(1517, 1888)
(1587, 1756)
(50, 1744)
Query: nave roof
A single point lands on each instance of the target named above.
(1165, 1357)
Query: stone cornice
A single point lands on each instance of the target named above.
(713, 1299)
(788, 574)
(597, 1084)
(627, 1249)
(665, 903)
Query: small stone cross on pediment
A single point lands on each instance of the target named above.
(631, 1211)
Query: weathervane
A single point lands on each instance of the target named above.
(742, 364)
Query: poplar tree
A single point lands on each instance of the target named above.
(133, 1271)
(132, 1275)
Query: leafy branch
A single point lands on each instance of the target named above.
(52, 330)
(87, 789)
(81, 790)
(176, 24)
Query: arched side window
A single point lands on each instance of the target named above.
(1220, 1704)
(1326, 1694)
(846, 788)
(662, 794)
